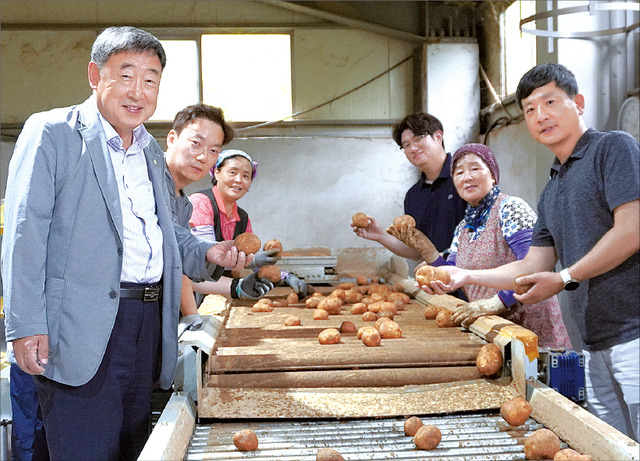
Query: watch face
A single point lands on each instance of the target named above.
(571, 285)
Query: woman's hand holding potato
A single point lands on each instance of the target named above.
(437, 287)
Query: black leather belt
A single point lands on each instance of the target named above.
(144, 294)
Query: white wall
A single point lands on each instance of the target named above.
(452, 92)
(308, 188)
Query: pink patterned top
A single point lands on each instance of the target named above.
(487, 248)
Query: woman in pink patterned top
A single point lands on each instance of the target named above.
(496, 230)
(216, 215)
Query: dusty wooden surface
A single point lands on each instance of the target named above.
(353, 402)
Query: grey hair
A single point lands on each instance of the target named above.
(115, 40)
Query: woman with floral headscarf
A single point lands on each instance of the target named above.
(496, 230)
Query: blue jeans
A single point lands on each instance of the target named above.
(108, 417)
(28, 440)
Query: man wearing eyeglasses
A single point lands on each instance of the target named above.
(432, 201)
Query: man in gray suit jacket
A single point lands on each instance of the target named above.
(92, 256)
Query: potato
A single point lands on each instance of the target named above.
(361, 280)
(346, 285)
(360, 220)
(427, 437)
(279, 303)
(431, 312)
(245, 440)
(261, 307)
(292, 298)
(347, 327)
(427, 274)
(266, 301)
(271, 244)
(328, 454)
(516, 411)
(380, 321)
(369, 317)
(358, 308)
(489, 359)
(390, 329)
(292, 321)
(387, 306)
(404, 221)
(387, 314)
(271, 273)
(352, 296)
(444, 319)
(378, 297)
(371, 337)
(331, 304)
(361, 330)
(402, 297)
(320, 314)
(375, 280)
(247, 242)
(411, 425)
(313, 301)
(521, 288)
(571, 455)
(542, 444)
(329, 336)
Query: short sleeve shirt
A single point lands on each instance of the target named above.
(437, 207)
(574, 212)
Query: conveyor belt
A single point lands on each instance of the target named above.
(480, 436)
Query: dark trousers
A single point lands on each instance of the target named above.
(28, 440)
(108, 417)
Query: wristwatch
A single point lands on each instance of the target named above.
(570, 283)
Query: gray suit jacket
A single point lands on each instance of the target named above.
(62, 244)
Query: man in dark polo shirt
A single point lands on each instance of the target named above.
(432, 201)
(589, 221)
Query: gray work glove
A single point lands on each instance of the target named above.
(299, 286)
(252, 287)
(265, 258)
(192, 322)
(415, 239)
(468, 313)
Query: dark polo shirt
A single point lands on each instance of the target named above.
(574, 212)
(437, 208)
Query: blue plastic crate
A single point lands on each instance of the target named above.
(566, 374)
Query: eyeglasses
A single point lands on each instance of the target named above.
(415, 141)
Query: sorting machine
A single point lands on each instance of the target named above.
(248, 370)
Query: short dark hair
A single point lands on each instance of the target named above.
(420, 124)
(543, 74)
(200, 110)
(115, 40)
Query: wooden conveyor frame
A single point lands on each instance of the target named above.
(580, 429)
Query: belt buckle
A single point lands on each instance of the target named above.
(151, 294)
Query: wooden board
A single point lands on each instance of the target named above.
(353, 402)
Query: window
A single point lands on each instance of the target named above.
(180, 80)
(248, 76)
(519, 48)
